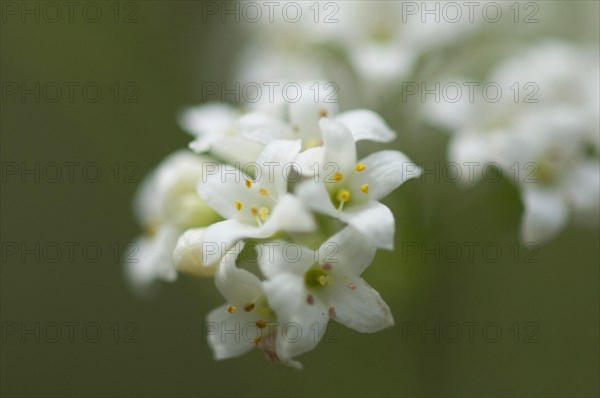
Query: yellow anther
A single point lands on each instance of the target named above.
(263, 192)
(343, 196)
(248, 307)
(322, 280)
(364, 188)
(338, 176)
(238, 205)
(261, 324)
(248, 183)
(253, 211)
(323, 113)
(329, 279)
(264, 213)
(231, 309)
(256, 340)
(360, 166)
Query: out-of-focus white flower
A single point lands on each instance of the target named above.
(544, 137)
(350, 190)
(252, 207)
(246, 320)
(166, 204)
(279, 119)
(213, 125)
(314, 286)
(381, 40)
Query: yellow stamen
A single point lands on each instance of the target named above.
(248, 307)
(263, 192)
(322, 280)
(264, 213)
(329, 280)
(231, 309)
(256, 340)
(338, 176)
(261, 324)
(238, 205)
(343, 196)
(364, 188)
(360, 166)
(253, 211)
(323, 113)
(248, 183)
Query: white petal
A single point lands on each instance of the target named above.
(222, 187)
(366, 125)
(385, 171)
(151, 261)
(374, 221)
(225, 332)
(308, 110)
(301, 325)
(187, 255)
(583, 190)
(279, 256)
(159, 193)
(310, 160)
(470, 152)
(275, 162)
(263, 128)
(228, 149)
(545, 214)
(203, 143)
(289, 214)
(208, 119)
(340, 148)
(348, 250)
(358, 306)
(237, 285)
(315, 196)
(220, 237)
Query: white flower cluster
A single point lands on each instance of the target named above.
(370, 45)
(288, 187)
(546, 139)
(275, 203)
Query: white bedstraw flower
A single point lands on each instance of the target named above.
(382, 41)
(166, 204)
(350, 190)
(213, 125)
(246, 320)
(557, 179)
(253, 207)
(281, 119)
(307, 288)
(544, 136)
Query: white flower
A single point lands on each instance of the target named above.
(307, 290)
(253, 208)
(545, 139)
(557, 178)
(381, 40)
(246, 320)
(213, 125)
(278, 118)
(350, 190)
(166, 204)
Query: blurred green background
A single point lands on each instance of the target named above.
(167, 54)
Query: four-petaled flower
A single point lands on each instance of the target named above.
(309, 287)
(350, 190)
